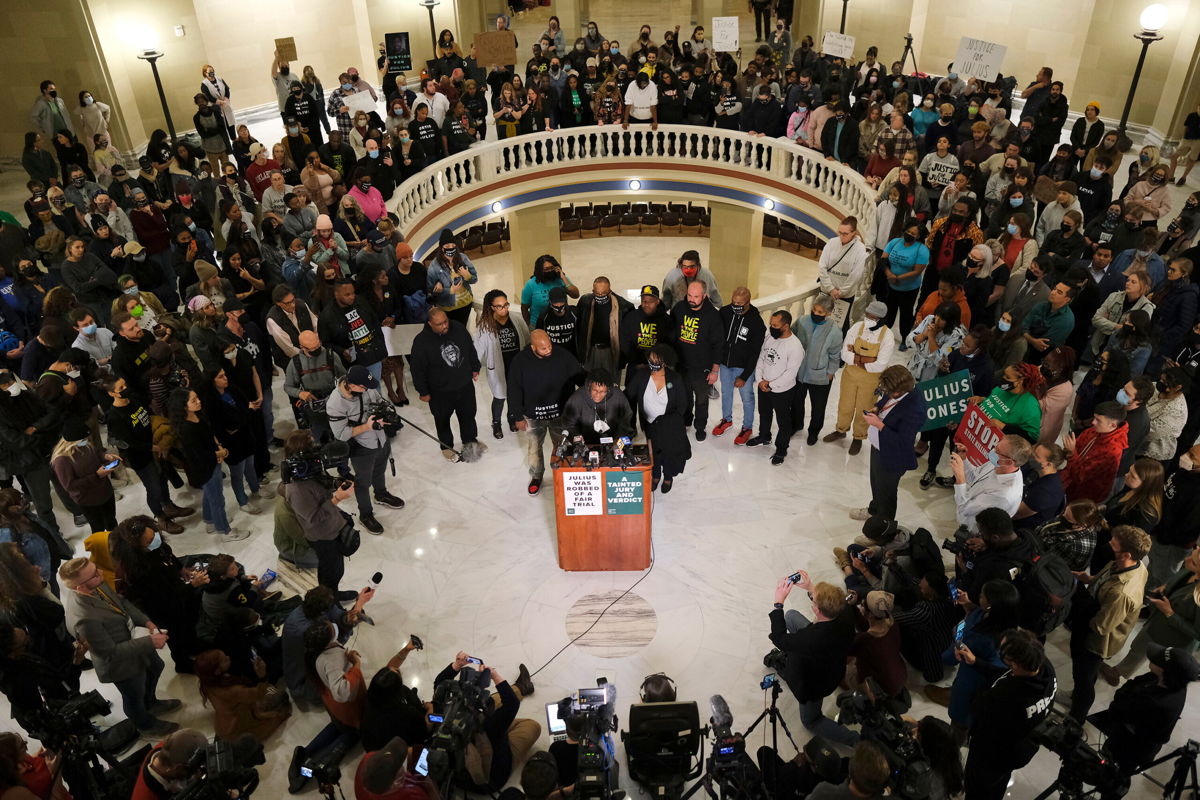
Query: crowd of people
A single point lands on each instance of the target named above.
(149, 319)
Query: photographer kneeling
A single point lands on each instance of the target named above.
(354, 420)
(384, 774)
(316, 506)
(168, 766)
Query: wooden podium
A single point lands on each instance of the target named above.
(603, 516)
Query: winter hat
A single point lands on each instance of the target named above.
(1179, 667)
(75, 429)
(446, 237)
(879, 604)
(404, 250)
(558, 295)
(323, 223)
(876, 309)
(1069, 187)
(205, 271)
(97, 222)
(879, 529)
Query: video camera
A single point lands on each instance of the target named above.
(66, 728)
(1081, 763)
(386, 416)
(728, 765)
(221, 767)
(315, 464)
(462, 703)
(882, 723)
(594, 710)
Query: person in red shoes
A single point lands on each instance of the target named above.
(744, 332)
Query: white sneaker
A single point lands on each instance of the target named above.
(263, 493)
(236, 536)
(860, 514)
(252, 508)
(210, 528)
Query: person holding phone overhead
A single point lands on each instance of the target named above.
(84, 471)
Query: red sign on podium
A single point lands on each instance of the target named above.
(979, 435)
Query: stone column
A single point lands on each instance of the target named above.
(533, 232)
(735, 247)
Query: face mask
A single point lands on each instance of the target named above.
(141, 202)
(449, 252)
(1025, 132)
(738, 309)
(1012, 229)
(284, 70)
(1004, 325)
(136, 312)
(1123, 397)
(77, 182)
(1005, 386)
(156, 542)
(404, 139)
(231, 355)
(347, 86)
(82, 443)
(1145, 159)
(927, 104)
(90, 330)
(972, 110)
(1185, 462)
(957, 218)
(872, 80)
(1066, 229)
(1016, 202)
(1157, 178)
(293, 131)
(776, 332)
(54, 93)
(817, 319)
(614, 50)
(15, 389)
(601, 298)
(654, 367)
(1143, 253)
(73, 373)
(947, 119)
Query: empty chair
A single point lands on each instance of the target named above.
(620, 208)
(495, 226)
(491, 243)
(774, 220)
(629, 223)
(705, 223)
(570, 228)
(690, 224)
(589, 227)
(640, 208)
(789, 239)
(677, 208)
(770, 234)
(696, 208)
(565, 212)
(610, 225)
(582, 210)
(809, 240)
(601, 209)
(649, 223)
(669, 223)
(473, 242)
(658, 208)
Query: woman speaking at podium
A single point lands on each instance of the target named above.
(663, 403)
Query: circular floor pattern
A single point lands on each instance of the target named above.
(626, 628)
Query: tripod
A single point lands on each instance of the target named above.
(908, 53)
(776, 718)
(1184, 776)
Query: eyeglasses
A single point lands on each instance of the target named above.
(496, 307)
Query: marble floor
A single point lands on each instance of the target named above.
(470, 564)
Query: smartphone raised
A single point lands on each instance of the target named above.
(476, 661)
(422, 767)
(267, 578)
(113, 464)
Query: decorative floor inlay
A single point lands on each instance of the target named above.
(625, 628)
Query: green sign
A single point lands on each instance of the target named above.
(624, 492)
(945, 398)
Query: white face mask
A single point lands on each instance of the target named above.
(231, 355)
(15, 389)
(73, 373)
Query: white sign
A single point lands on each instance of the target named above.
(359, 101)
(838, 44)
(979, 59)
(837, 316)
(725, 34)
(583, 494)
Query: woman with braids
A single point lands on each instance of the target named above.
(149, 575)
(1055, 394)
(1014, 403)
(499, 336)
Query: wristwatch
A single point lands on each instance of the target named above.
(779, 606)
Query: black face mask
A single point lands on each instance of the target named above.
(737, 309)
(600, 298)
(1005, 386)
(776, 333)
(957, 218)
(284, 70)
(654, 367)
(909, 238)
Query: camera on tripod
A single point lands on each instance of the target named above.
(594, 712)
(66, 728)
(882, 723)
(315, 464)
(222, 767)
(387, 419)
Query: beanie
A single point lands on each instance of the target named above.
(75, 429)
(404, 250)
(205, 271)
(446, 238)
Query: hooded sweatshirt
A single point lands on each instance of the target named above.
(1091, 471)
(1006, 713)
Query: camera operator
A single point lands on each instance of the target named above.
(316, 506)
(815, 651)
(998, 552)
(598, 409)
(817, 762)
(510, 738)
(311, 377)
(1005, 715)
(350, 421)
(384, 774)
(26, 777)
(337, 674)
(870, 774)
(169, 765)
(318, 605)
(393, 709)
(1143, 712)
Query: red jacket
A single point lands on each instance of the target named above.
(1091, 472)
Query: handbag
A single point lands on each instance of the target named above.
(349, 539)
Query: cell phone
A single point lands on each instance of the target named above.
(113, 464)
(1157, 595)
(555, 723)
(416, 641)
(958, 633)
(436, 718)
(267, 578)
(796, 577)
(306, 771)
(476, 661)
(376, 579)
(953, 584)
(422, 767)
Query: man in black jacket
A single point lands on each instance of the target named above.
(643, 328)
(697, 325)
(839, 137)
(560, 322)
(999, 552)
(764, 117)
(1005, 714)
(815, 651)
(539, 380)
(744, 332)
(601, 314)
(444, 365)
(130, 359)
(29, 429)
(598, 401)
(349, 327)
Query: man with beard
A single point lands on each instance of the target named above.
(697, 326)
(599, 328)
(444, 365)
(744, 331)
(539, 380)
(643, 328)
(350, 328)
(560, 321)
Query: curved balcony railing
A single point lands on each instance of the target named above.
(751, 158)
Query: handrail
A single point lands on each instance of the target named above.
(670, 145)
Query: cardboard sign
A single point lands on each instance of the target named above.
(583, 495)
(286, 48)
(978, 59)
(725, 34)
(979, 435)
(496, 47)
(838, 44)
(398, 52)
(624, 493)
(945, 398)
(837, 316)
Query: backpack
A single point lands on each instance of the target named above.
(925, 554)
(1046, 586)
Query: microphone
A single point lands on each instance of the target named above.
(721, 716)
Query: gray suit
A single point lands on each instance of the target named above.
(117, 655)
(1019, 304)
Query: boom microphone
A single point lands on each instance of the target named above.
(721, 716)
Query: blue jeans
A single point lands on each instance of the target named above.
(811, 715)
(268, 411)
(728, 375)
(213, 506)
(139, 691)
(243, 471)
(376, 369)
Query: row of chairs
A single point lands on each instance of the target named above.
(786, 235)
(486, 240)
(581, 210)
(668, 223)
